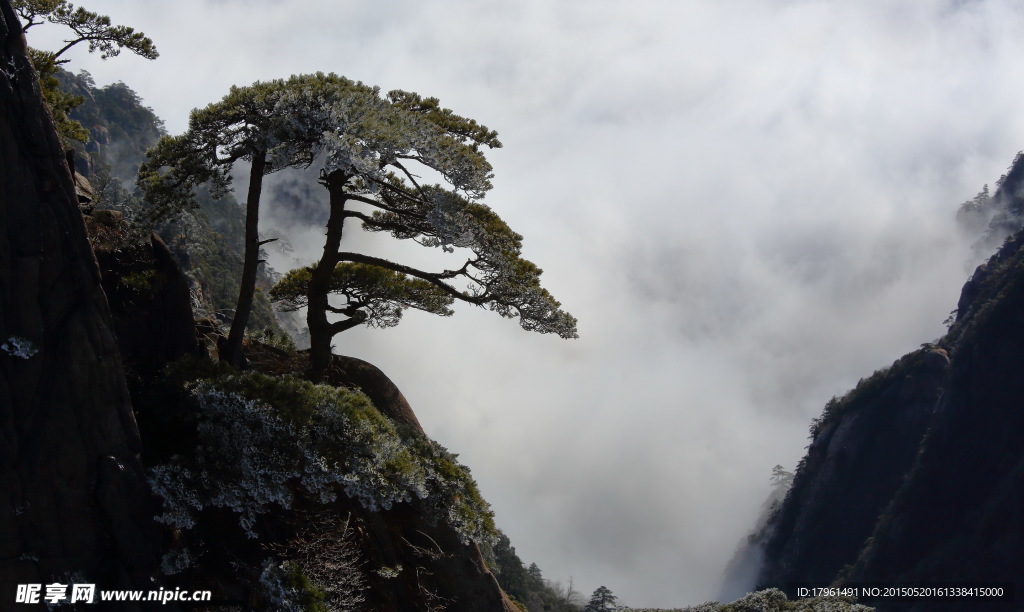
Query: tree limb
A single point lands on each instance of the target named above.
(435, 278)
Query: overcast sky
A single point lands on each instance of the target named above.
(748, 205)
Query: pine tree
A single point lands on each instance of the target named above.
(602, 600)
(374, 146)
(249, 124)
(371, 147)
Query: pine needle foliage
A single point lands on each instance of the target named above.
(86, 27)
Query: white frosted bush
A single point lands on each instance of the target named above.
(276, 591)
(252, 457)
(19, 347)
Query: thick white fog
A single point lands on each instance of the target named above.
(748, 204)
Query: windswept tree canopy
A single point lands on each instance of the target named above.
(238, 127)
(247, 124)
(88, 27)
(372, 149)
(494, 275)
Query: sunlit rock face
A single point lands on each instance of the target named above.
(73, 501)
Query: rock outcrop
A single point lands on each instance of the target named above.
(437, 570)
(384, 394)
(149, 296)
(73, 500)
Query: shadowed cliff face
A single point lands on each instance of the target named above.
(148, 295)
(853, 467)
(73, 501)
(917, 475)
(960, 513)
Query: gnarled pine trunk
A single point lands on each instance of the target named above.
(321, 331)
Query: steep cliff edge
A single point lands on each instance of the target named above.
(857, 460)
(73, 499)
(278, 493)
(917, 475)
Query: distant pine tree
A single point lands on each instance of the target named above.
(602, 600)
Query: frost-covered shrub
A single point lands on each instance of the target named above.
(389, 572)
(453, 495)
(271, 337)
(177, 560)
(262, 439)
(19, 347)
(768, 600)
(283, 587)
(246, 460)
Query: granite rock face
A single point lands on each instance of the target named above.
(73, 500)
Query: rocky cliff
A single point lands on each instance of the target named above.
(276, 493)
(271, 492)
(917, 475)
(73, 499)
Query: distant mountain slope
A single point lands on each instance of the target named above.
(121, 128)
(996, 216)
(917, 475)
